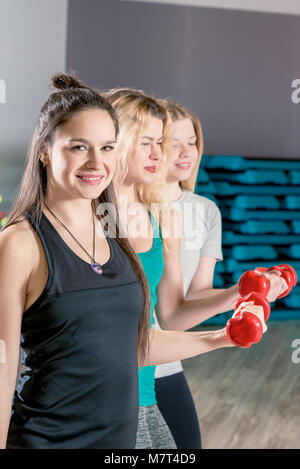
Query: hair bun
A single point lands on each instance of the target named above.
(65, 82)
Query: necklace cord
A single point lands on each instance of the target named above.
(61, 223)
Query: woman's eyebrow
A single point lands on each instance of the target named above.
(150, 138)
(78, 139)
(83, 140)
(189, 138)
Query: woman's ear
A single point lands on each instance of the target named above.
(44, 158)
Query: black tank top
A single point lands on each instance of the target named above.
(79, 342)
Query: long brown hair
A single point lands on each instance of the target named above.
(178, 112)
(73, 97)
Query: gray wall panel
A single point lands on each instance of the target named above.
(233, 68)
(32, 48)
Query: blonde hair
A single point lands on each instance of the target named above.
(133, 108)
(178, 112)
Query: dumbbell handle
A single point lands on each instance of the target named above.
(289, 275)
(259, 300)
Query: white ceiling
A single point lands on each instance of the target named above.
(291, 7)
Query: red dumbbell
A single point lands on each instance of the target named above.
(259, 300)
(289, 275)
(291, 270)
(245, 327)
(253, 280)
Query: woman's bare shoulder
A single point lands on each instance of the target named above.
(18, 239)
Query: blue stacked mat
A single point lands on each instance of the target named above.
(237, 214)
(240, 163)
(259, 200)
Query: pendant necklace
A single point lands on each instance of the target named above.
(95, 266)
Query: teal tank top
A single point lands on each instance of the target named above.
(153, 265)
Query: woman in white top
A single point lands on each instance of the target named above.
(200, 250)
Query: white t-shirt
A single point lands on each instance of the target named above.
(202, 237)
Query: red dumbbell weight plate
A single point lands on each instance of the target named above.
(292, 271)
(287, 277)
(252, 281)
(289, 280)
(244, 330)
(261, 270)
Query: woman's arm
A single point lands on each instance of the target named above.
(168, 346)
(15, 269)
(202, 284)
(202, 281)
(176, 312)
(202, 301)
(170, 287)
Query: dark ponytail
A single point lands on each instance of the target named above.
(64, 82)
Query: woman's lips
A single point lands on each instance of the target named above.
(151, 169)
(184, 165)
(91, 180)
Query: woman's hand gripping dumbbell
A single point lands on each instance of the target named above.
(248, 322)
(274, 283)
(252, 311)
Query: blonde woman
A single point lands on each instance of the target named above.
(143, 147)
(200, 250)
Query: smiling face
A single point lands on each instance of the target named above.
(184, 153)
(82, 156)
(146, 153)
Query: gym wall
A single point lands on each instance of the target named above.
(291, 7)
(32, 48)
(233, 68)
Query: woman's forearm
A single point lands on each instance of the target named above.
(7, 388)
(194, 310)
(168, 346)
(230, 295)
(205, 293)
(4, 421)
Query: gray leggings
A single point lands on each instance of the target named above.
(153, 432)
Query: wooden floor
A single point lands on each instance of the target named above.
(249, 398)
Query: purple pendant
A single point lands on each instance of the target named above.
(97, 268)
